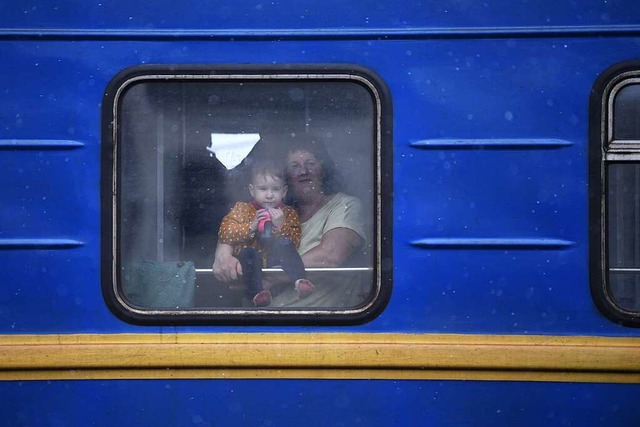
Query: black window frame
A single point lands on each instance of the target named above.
(605, 150)
(383, 187)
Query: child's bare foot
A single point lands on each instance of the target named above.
(304, 288)
(262, 298)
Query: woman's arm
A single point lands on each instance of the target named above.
(336, 246)
(226, 267)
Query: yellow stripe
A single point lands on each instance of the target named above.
(384, 356)
(115, 374)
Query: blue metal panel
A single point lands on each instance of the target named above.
(316, 403)
(309, 16)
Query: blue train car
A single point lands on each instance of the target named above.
(478, 262)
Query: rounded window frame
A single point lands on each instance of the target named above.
(604, 150)
(215, 316)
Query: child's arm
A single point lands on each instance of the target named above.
(236, 226)
(290, 228)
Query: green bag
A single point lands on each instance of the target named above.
(169, 285)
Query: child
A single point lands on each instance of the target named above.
(265, 232)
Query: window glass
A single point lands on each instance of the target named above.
(624, 234)
(626, 125)
(255, 170)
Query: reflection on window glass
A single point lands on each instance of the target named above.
(275, 177)
(626, 125)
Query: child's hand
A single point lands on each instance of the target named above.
(254, 225)
(277, 217)
(261, 215)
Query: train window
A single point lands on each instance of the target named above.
(615, 188)
(274, 173)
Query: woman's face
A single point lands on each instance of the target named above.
(305, 173)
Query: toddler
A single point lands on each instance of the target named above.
(265, 233)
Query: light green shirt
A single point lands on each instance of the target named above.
(332, 289)
(341, 211)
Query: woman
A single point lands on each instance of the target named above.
(331, 224)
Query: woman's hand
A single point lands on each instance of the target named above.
(226, 267)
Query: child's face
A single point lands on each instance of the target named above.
(268, 191)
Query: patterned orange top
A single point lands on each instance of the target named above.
(235, 227)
